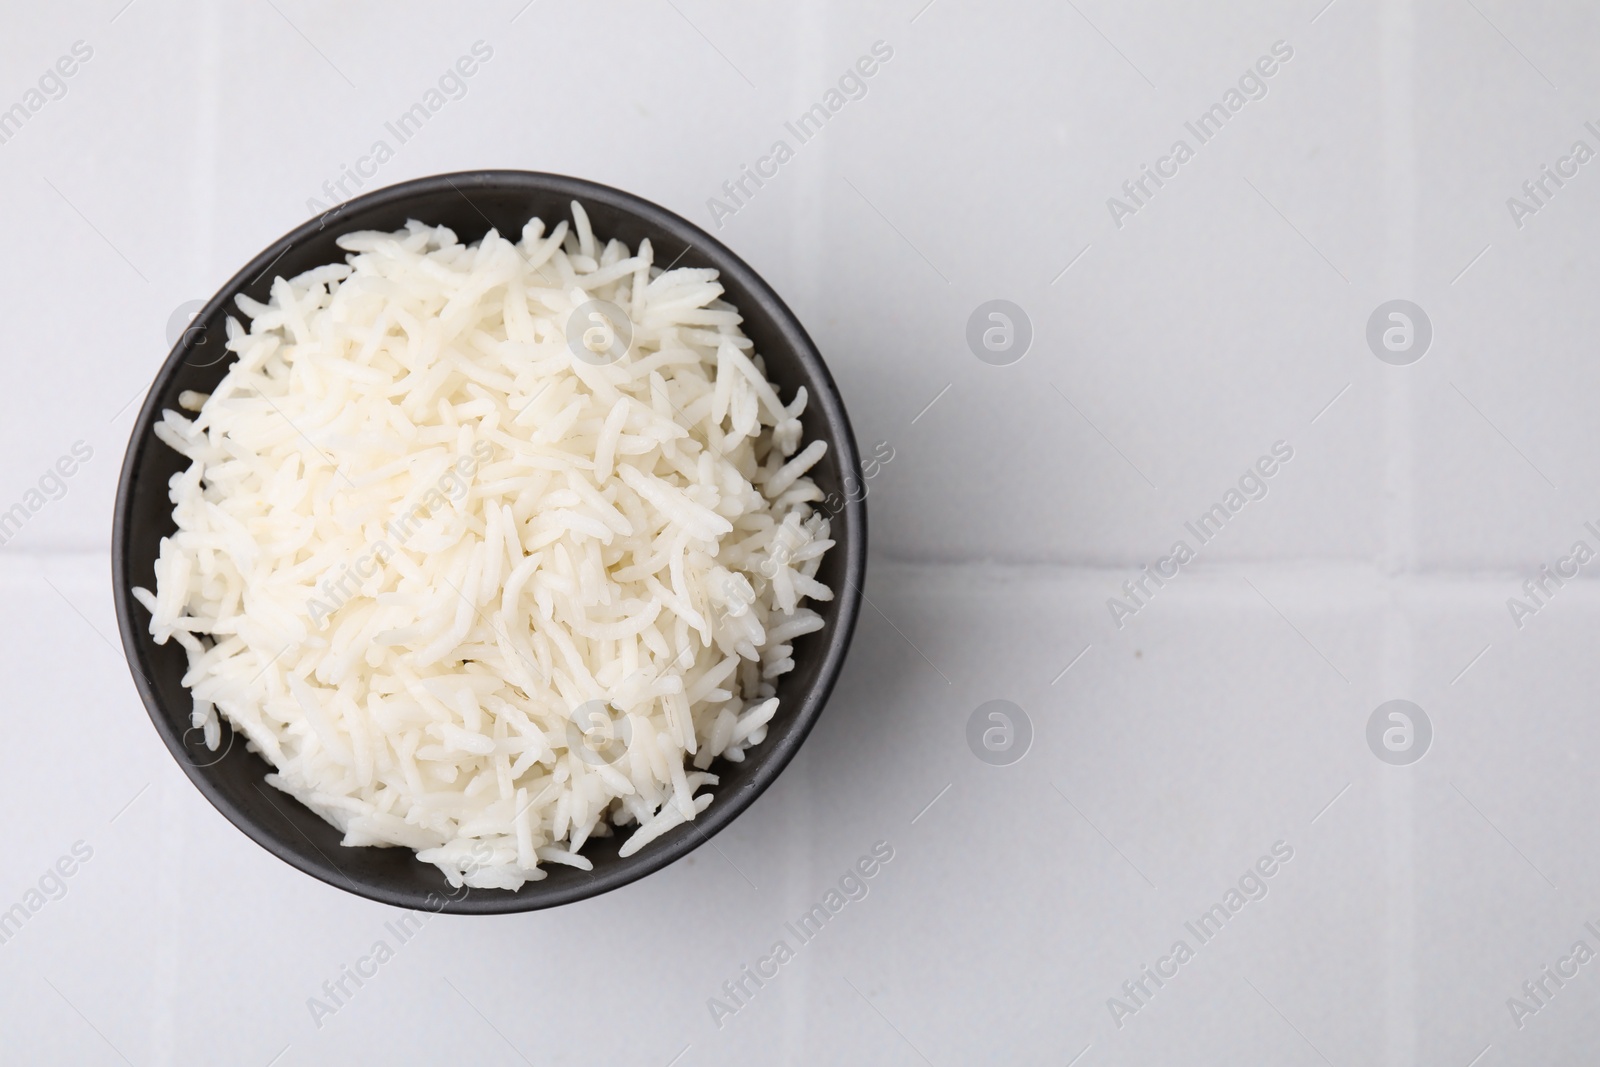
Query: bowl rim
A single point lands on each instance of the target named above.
(730, 803)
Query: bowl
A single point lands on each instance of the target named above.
(470, 203)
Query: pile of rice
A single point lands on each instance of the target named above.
(478, 576)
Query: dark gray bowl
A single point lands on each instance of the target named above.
(470, 203)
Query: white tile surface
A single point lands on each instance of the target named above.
(1224, 717)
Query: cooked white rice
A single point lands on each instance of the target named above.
(467, 592)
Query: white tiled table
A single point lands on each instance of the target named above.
(1169, 353)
